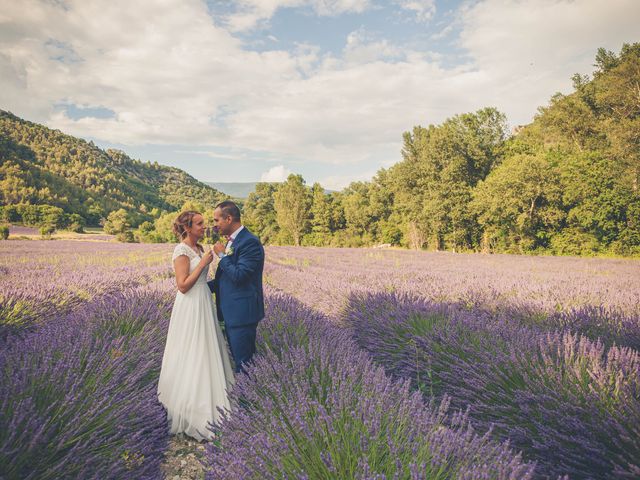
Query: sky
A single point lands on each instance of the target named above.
(253, 90)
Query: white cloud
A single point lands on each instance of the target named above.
(251, 13)
(423, 10)
(361, 47)
(443, 33)
(529, 50)
(278, 173)
(173, 76)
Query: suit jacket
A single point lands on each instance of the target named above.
(238, 282)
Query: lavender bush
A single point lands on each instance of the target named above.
(596, 297)
(566, 401)
(78, 396)
(313, 406)
(83, 324)
(45, 280)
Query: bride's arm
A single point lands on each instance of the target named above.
(184, 280)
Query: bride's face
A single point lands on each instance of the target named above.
(197, 227)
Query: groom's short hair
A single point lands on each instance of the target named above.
(229, 209)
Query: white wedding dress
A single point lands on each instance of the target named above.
(196, 371)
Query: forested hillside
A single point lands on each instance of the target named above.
(567, 183)
(61, 173)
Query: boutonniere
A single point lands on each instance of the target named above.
(228, 250)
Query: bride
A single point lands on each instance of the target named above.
(196, 371)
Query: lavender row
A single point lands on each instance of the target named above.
(314, 406)
(43, 280)
(78, 397)
(567, 402)
(597, 297)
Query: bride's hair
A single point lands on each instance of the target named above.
(184, 220)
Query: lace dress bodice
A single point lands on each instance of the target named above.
(194, 260)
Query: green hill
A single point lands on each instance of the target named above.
(41, 166)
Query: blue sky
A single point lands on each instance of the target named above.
(256, 89)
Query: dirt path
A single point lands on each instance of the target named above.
(183, 459)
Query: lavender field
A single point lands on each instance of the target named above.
(373, 364)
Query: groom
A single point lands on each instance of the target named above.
(238, 282)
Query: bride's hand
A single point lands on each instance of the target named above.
(219, 248)
(207, 258)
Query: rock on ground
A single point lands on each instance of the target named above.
(184, 459)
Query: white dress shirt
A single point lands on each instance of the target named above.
(232, 237)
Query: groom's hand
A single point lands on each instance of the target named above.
(218, 248)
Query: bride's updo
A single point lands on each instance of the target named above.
(184, 220)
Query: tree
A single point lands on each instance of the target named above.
(164, 227)
(594, 134)
(291, 202)
(53, 216)
(320, 211)
(118, 224)
(617, 87)
(596, 197)
(146, 233)
(259, 213)
(519, 203)
(76, 223)
(357, 211)
(46, 230)
(320, 218)
(432, 187)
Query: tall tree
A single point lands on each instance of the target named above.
(442, 164)
(357, 210)
(291, 201)
(320, 211)
(259, 212)
(519, 203)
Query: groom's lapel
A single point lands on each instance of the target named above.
(238, 240)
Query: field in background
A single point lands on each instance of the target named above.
(19, 232)
(543, 351)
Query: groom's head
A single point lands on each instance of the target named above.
(226, 217)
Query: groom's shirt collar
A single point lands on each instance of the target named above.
(233, 236)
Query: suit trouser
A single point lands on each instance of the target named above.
(242, 341)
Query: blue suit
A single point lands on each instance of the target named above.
(239, 296)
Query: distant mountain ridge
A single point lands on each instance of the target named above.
(240, 190)
(41, 166)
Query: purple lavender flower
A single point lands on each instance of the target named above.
(44, 280)
(596, 297)
(314, 406)
(78, 397)
(567, 402)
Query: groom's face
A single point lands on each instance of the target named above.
(222, 223)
